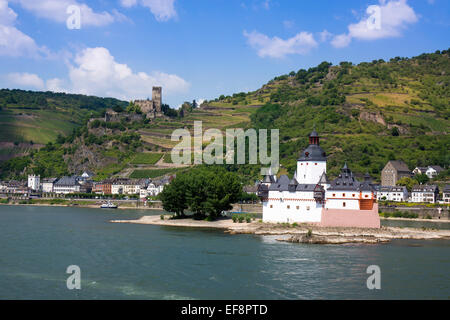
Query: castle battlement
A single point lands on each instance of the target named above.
(152, 108)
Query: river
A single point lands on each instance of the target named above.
(132, 261)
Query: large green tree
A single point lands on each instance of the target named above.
(205, 191)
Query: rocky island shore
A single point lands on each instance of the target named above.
(302, 233)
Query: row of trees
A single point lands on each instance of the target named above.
(204, 191)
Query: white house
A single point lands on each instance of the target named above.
(446, 194)
(310, 198)
(424, 193)
(47, 185)
(397, 193)
(34, 182)
(433, 171)
(66, 185)
(3, 187)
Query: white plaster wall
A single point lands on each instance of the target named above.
(309, 172)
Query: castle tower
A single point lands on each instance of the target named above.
(157, 98)
(312, 162)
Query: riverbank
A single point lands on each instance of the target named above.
(290, 233)
(77, 204)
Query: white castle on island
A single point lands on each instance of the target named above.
(310, 198)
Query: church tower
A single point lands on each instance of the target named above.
(312, 162)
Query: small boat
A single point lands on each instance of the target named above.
(108, 205)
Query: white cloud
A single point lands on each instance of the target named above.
(96, 72)
(325, 35)
(393, 18)
(128, 3)
(163, 10)
(55, 10)
(14, 42)
(26, 80)
(276, 47)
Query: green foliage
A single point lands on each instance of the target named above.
(409, 183)
(146, 158)
(133, 108)
(205, 191)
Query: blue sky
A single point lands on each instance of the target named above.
(200, 49)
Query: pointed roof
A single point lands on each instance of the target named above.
(314, 133)
(293, 182)
(323, 179)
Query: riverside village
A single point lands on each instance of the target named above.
(309, 197)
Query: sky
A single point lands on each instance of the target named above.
(201, 49)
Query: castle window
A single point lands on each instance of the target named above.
(344, 204)
(288, 207)
(271, 206)
(307, 208)
(315, 164)
(353, 195)
(334, 194)
(298, 207)
(366, 196)
(343, 195)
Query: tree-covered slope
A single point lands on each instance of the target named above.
(31, 119)
(367, 114)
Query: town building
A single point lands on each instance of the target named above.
(34, 182)
(433, 171)
(17, 187)
(251, 189)
(103, 187)
(66, 185)
(309, 197)
(420, 170)
(3, 186)
(47, 185)
(425, 193)
(446, 194)
(397, 193)
(394, 171)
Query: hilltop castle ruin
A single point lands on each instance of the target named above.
(152, 108)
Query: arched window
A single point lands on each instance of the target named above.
(344, 204)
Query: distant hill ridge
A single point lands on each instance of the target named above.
(366, 114)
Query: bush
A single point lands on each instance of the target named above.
(241, 219)
(162, 217)
(248, 219)
(235, 218)
(309, 233)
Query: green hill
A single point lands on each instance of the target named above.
(29, 120)
(366, 114)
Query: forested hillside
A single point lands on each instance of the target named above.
(366, 114)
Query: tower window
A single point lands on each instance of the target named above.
(298, 207)
(315, 163)
(271, 206)
(344, 204)
(343, 195)
(288, 207)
